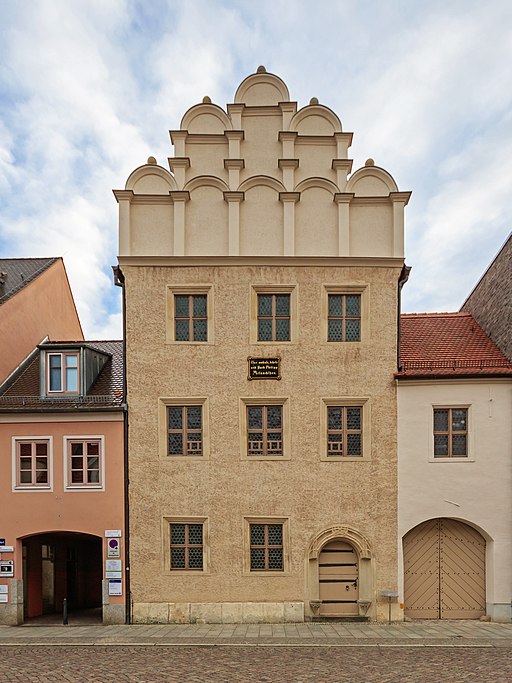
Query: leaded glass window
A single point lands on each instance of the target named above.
(450, 432)
(265, 430)
(190, 317)
(344, 318)
(273, 317)
(266, 546)
(344, 431)
(186, 546)
(185, 430)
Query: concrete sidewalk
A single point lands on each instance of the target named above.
(412, 634)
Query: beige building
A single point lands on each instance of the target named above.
(454, 445)
(261, 280)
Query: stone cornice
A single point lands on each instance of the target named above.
(121, 195)
(237, 164)
(400, 197)
(342, 164)
(178, 162)
(179, 195)
(343, 197)
(234, 134)
(234, 196)
(287, 135)
(288, 163)
(292, 261)
(289, 197)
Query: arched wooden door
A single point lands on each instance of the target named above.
(444, 571)
(338, 575)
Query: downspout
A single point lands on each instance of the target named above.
(119, 281)
(404, 276)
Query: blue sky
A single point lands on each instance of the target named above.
(90, 88)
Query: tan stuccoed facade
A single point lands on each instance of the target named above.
(260, 202)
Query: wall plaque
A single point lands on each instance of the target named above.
(264, 368)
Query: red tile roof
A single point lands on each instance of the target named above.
(447, 344)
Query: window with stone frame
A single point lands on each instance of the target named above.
(274, 317)
(185, 430)
(264, 430)
(32, 463)
(190, 317)
(343, 317)
(344, 431)
(186, 546)
(450, 432)
(266, 547)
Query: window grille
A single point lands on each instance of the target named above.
(265, 430)
(273, 317)
(190, 317)
(266, 547)
(185, 430)
(344, 318)
(344, 431)
(186, 546)
(450, 432)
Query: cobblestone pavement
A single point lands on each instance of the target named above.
(266, 664)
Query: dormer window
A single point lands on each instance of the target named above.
(62, 373)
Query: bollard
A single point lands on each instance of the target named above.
(65, 611)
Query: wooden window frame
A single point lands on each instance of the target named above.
(245, 404)
(63, 382)
(267, 289)
(182, 402)
(189, 290)
(167, 521)
(450, 433)
(185, 431)
(83, 486)
(17, 441)
(362, 402)
(363, 290)
(274, 317)
(343, 318)
(266, 451)
(186, 546)
(270, 519)
(345, 432)
(190, 317)
(266, 547)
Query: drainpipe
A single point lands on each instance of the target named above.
(404, 276)
(119, 281)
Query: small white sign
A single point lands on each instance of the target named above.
(4, 589)
(113, 566)
(113, 533)
(4, 597)
(113, 548)
(115, 587)
(6, 548)
(114, 575)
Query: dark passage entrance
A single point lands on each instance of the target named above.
(61, 565)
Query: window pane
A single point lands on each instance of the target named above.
(459, 444)
(440, 420)
(182, 330)
(257, 558)
(195, 534)
(353, 418)
(26, 449)
(334, 417)
(175, 444)
(335, 331)
(77, 448)
(354, 444)
(175, 416)
(282, 304)
(352, 330)
(275, 558)
(178, 558)
(72, 379)
(194, 417)
(55, 379)
(93, 448)
(26, 477)
(264, 330)
(335, 305)
(459, 420)
(76, 463)
(93, 477)
(41, 448)
(264, 304)
(441, 445)
(335, 444)
(177, 534)
(181, 306)
(93, 463)
(77, 477)
(200, 330)
(275, 534)
(274, 443)
(257, 534)
(195, 558)
(353, 306)
(42, 477)
(200, 306)
(41, 463)
(282, 330)
(25, 463)
(255, 443)
(195, 444)
(274, 417)
(255, 417)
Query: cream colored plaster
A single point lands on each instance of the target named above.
(476, 489)
(206, 222)
(314, 227)
(371, 230)
(151, 228)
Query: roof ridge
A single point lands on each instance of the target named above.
(454, 314)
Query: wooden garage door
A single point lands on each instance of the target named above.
(338, 576)
(444, 571)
